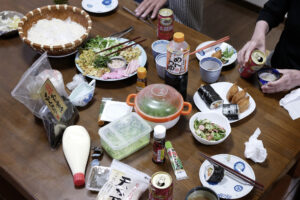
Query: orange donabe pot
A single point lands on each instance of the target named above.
(153, 98)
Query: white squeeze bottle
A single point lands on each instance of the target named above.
(76, 146)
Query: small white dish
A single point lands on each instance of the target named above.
(114, 110)
(159, 47)
(214, 117)
(222, 88)
(209, 51)
(99, 6)
(230, 187)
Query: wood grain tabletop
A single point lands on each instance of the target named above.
(39, 172)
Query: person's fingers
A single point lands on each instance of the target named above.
(155, 11)
(141, 8)
(241, 54)
(250, 48)
(148, 10)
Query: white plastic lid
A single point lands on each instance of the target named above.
(159, 131)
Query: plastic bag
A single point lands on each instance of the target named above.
(83, 94)
(77, 80)
(27, 89)
(124, 183)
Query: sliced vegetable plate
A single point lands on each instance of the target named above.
(230, 186)
(142, 61)
(228, 52)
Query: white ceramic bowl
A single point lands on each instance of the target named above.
(215, 118)
(159, 47)
(161, 62)
(168, 124)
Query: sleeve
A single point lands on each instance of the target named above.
(273, 12)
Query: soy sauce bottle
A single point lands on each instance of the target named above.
(176, 74)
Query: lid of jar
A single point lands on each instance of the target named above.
(141, 72)
(178, 37)
(159, 131)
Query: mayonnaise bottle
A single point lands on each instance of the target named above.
(76, 146)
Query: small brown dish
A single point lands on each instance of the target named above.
(60, 12)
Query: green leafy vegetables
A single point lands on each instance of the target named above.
(226, 55)
(156, 108)
(208, 130)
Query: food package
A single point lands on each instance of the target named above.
(124, 183)
(27, 91)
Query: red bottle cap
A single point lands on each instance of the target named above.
(78, 179)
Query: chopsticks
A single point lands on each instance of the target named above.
(224, 39)
(118, 44)
(122, 49)
(132, 13)
(233, 172)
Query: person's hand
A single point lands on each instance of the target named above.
(147, 6)
(290, 79)
(257, 42)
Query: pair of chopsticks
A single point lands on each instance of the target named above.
(122, 49)
(233, 172)
(132, 13)
(224, 39)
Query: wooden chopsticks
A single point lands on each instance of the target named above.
(122, 49)
(224, 39)
(233, 172)
(118, 45)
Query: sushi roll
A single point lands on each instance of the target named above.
(214, 174)
(231, 111)
(210, 96)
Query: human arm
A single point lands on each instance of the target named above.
(147, 6)
(257, 41)
(290, 79)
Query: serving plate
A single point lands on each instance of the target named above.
(231, 187)
(4, 28)
(142, 60)
(209, 51)
(222, 88)
(99, 6)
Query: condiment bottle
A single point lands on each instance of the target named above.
(159, 144)
(76, 146)
(141, 82)
(176, 74)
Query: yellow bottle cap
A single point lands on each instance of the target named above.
(141, 72)
(178, 37)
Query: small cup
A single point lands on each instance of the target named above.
(161, 62)
(266, 75)
(159, 47)
(204, 192)
(210, 69)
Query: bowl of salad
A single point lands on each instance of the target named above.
(209, 128)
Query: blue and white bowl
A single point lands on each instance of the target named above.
(266, 75)
(159, 47)
(161, 64)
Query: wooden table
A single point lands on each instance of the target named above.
(38, 172)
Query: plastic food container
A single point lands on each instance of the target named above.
(159, 104)
(125, 136)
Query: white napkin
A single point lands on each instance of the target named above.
(77, 80)
(255, 149)
(291, 102)
(114, 110)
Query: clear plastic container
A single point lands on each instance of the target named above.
(125, 136)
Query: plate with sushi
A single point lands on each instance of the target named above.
(223, 51)
(226, 185)
(225, 98)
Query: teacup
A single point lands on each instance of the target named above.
(210, 69)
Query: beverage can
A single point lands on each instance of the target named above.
(165, 23)
(255, 62)
(161, 187)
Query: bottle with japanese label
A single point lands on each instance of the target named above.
(141, 82)
(176, 74)
(159, 144)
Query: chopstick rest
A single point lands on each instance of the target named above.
(254, 149)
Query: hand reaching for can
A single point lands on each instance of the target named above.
(148, 6)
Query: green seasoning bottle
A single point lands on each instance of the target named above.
(175, 162)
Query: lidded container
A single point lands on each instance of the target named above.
(125, 136)
(159, 104)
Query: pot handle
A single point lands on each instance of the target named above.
(129, 97)
(189, 110)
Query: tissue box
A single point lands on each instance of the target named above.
(125, 136)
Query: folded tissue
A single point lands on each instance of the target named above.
(291, 102)
(255, 149)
